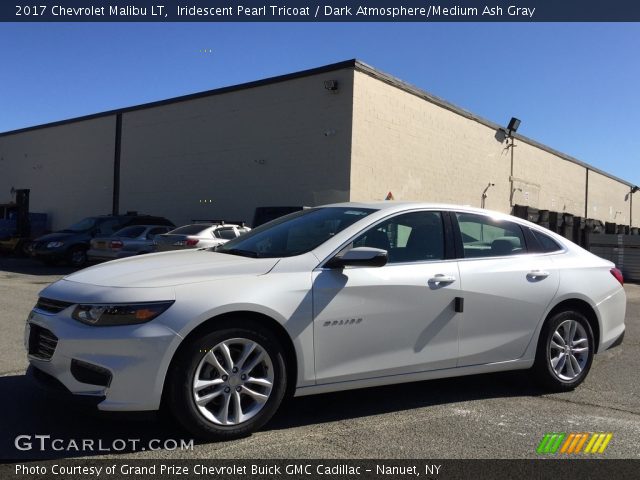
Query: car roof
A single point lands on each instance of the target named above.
(392, 206)
(144, 226)
(399, 206)
(209, 225)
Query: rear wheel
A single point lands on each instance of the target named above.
(565, 351)
(229, 382)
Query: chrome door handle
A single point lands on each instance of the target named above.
(537, 274)
(440, 279)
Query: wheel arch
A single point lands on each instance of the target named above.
(583, 307)
(229, 319)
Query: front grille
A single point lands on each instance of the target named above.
(51, 306)
(42, 342)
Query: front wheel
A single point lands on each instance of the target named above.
(228, 383)
(77, 257)
(565, 351)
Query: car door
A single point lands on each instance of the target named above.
(506, 289)
(394, 319)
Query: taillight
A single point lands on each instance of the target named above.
(115, 244)
(618, 274)
(191, 241)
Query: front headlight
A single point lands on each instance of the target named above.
(116, 314)
(55, 244)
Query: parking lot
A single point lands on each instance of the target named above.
(487, 416)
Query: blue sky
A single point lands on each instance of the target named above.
(574, 86)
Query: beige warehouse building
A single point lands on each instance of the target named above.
(337, 133)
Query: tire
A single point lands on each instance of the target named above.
(203, 360)
(561, 366)
(25, 249)
(77, 257)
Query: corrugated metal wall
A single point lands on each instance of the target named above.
(623, 250)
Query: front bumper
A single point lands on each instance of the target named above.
(55, 387)
(131, 354)
(49, 253)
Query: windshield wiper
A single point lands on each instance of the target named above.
(240, 252)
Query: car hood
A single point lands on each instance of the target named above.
(171, 268)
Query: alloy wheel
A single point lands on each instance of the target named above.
(233, 381)
(569, 350)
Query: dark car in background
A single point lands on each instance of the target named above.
(71, 244)
(127, 242)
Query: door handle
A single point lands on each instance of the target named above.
(440, 279)
(537, 274)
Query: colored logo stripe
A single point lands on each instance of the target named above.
(550, 443)
(574, 442)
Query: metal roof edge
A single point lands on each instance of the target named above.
(192, 96)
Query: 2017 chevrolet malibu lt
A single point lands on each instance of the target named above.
(325, 299)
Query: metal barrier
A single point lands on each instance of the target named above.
(617, 243)
(623, 250)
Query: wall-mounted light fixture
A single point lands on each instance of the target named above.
(331, 85)
(634, 189)
(512, 128)
(484, 193)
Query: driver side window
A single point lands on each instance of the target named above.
(410, 237)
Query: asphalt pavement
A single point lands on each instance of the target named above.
(485, 416)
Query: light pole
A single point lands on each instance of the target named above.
(512, 128)
(634, 189)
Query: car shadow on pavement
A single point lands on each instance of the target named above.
(338, 406)
(31, 410)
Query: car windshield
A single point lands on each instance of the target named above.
(189, 229)
(130, 232)
(82, 226)
(294, 234)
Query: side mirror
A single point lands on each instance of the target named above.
(359, 257)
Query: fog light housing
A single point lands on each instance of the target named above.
(85, 372)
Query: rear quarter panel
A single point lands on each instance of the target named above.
(586, 277)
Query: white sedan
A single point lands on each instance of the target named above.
(198, 235)
(330, 298)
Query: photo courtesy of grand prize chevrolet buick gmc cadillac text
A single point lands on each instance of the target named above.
(325, 299)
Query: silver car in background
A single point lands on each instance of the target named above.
(129, 241)
(199, 235)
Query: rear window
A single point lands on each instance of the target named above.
(190, 229)
(546, 243)
(130, 232)
(225, 233)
